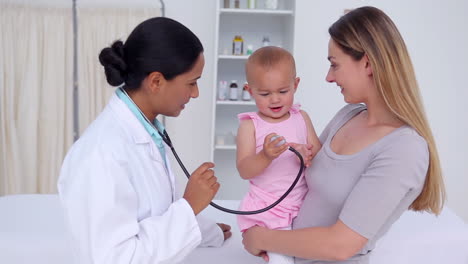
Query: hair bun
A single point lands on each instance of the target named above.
(113, 60)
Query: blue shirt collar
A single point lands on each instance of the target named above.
(149, 128)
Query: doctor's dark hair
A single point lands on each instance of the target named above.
(158, 44)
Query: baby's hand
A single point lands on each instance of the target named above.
(305, 150)
(273, 148)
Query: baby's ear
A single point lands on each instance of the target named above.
(248, 88)
(296, 82)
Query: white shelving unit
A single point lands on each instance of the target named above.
(252, 25)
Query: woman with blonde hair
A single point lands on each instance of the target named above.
(378, 155)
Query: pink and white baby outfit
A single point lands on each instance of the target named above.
(272, 183)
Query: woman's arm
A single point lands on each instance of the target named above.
(336, 242)
(383, 192)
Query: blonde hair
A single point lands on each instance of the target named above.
(369, 31)
(268, 57)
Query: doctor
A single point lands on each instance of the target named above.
(116, 185)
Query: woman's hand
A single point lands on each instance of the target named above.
(251, 238)
(305, 150)
(226, 230)
(201, 187)
(270, 149)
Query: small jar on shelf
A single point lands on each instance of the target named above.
(238, 45)
(271, 4)
(266, 41)
(251, 4)
(222, 90)
(249, 49)
(233, 91)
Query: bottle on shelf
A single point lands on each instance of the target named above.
(220, 140)
(222, 90)
(226, 3)
(236, 3)
(233, 91)
(238, 45)
(251, 4)
(271, 4)
(266, 41)
(245, 93)
(249, 49)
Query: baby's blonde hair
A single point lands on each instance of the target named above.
(267, 58)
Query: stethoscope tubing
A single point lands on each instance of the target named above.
(168, 142)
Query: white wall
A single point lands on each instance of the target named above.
(91, 3)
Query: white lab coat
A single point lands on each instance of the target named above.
(120, 200)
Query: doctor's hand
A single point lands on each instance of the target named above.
(201, 187)
(226, 230)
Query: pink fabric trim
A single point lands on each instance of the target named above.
(246, 116)
(295, 108)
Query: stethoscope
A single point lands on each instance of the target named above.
(165, 137)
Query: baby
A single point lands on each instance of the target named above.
(263, 138)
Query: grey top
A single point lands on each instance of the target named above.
(368, 190)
